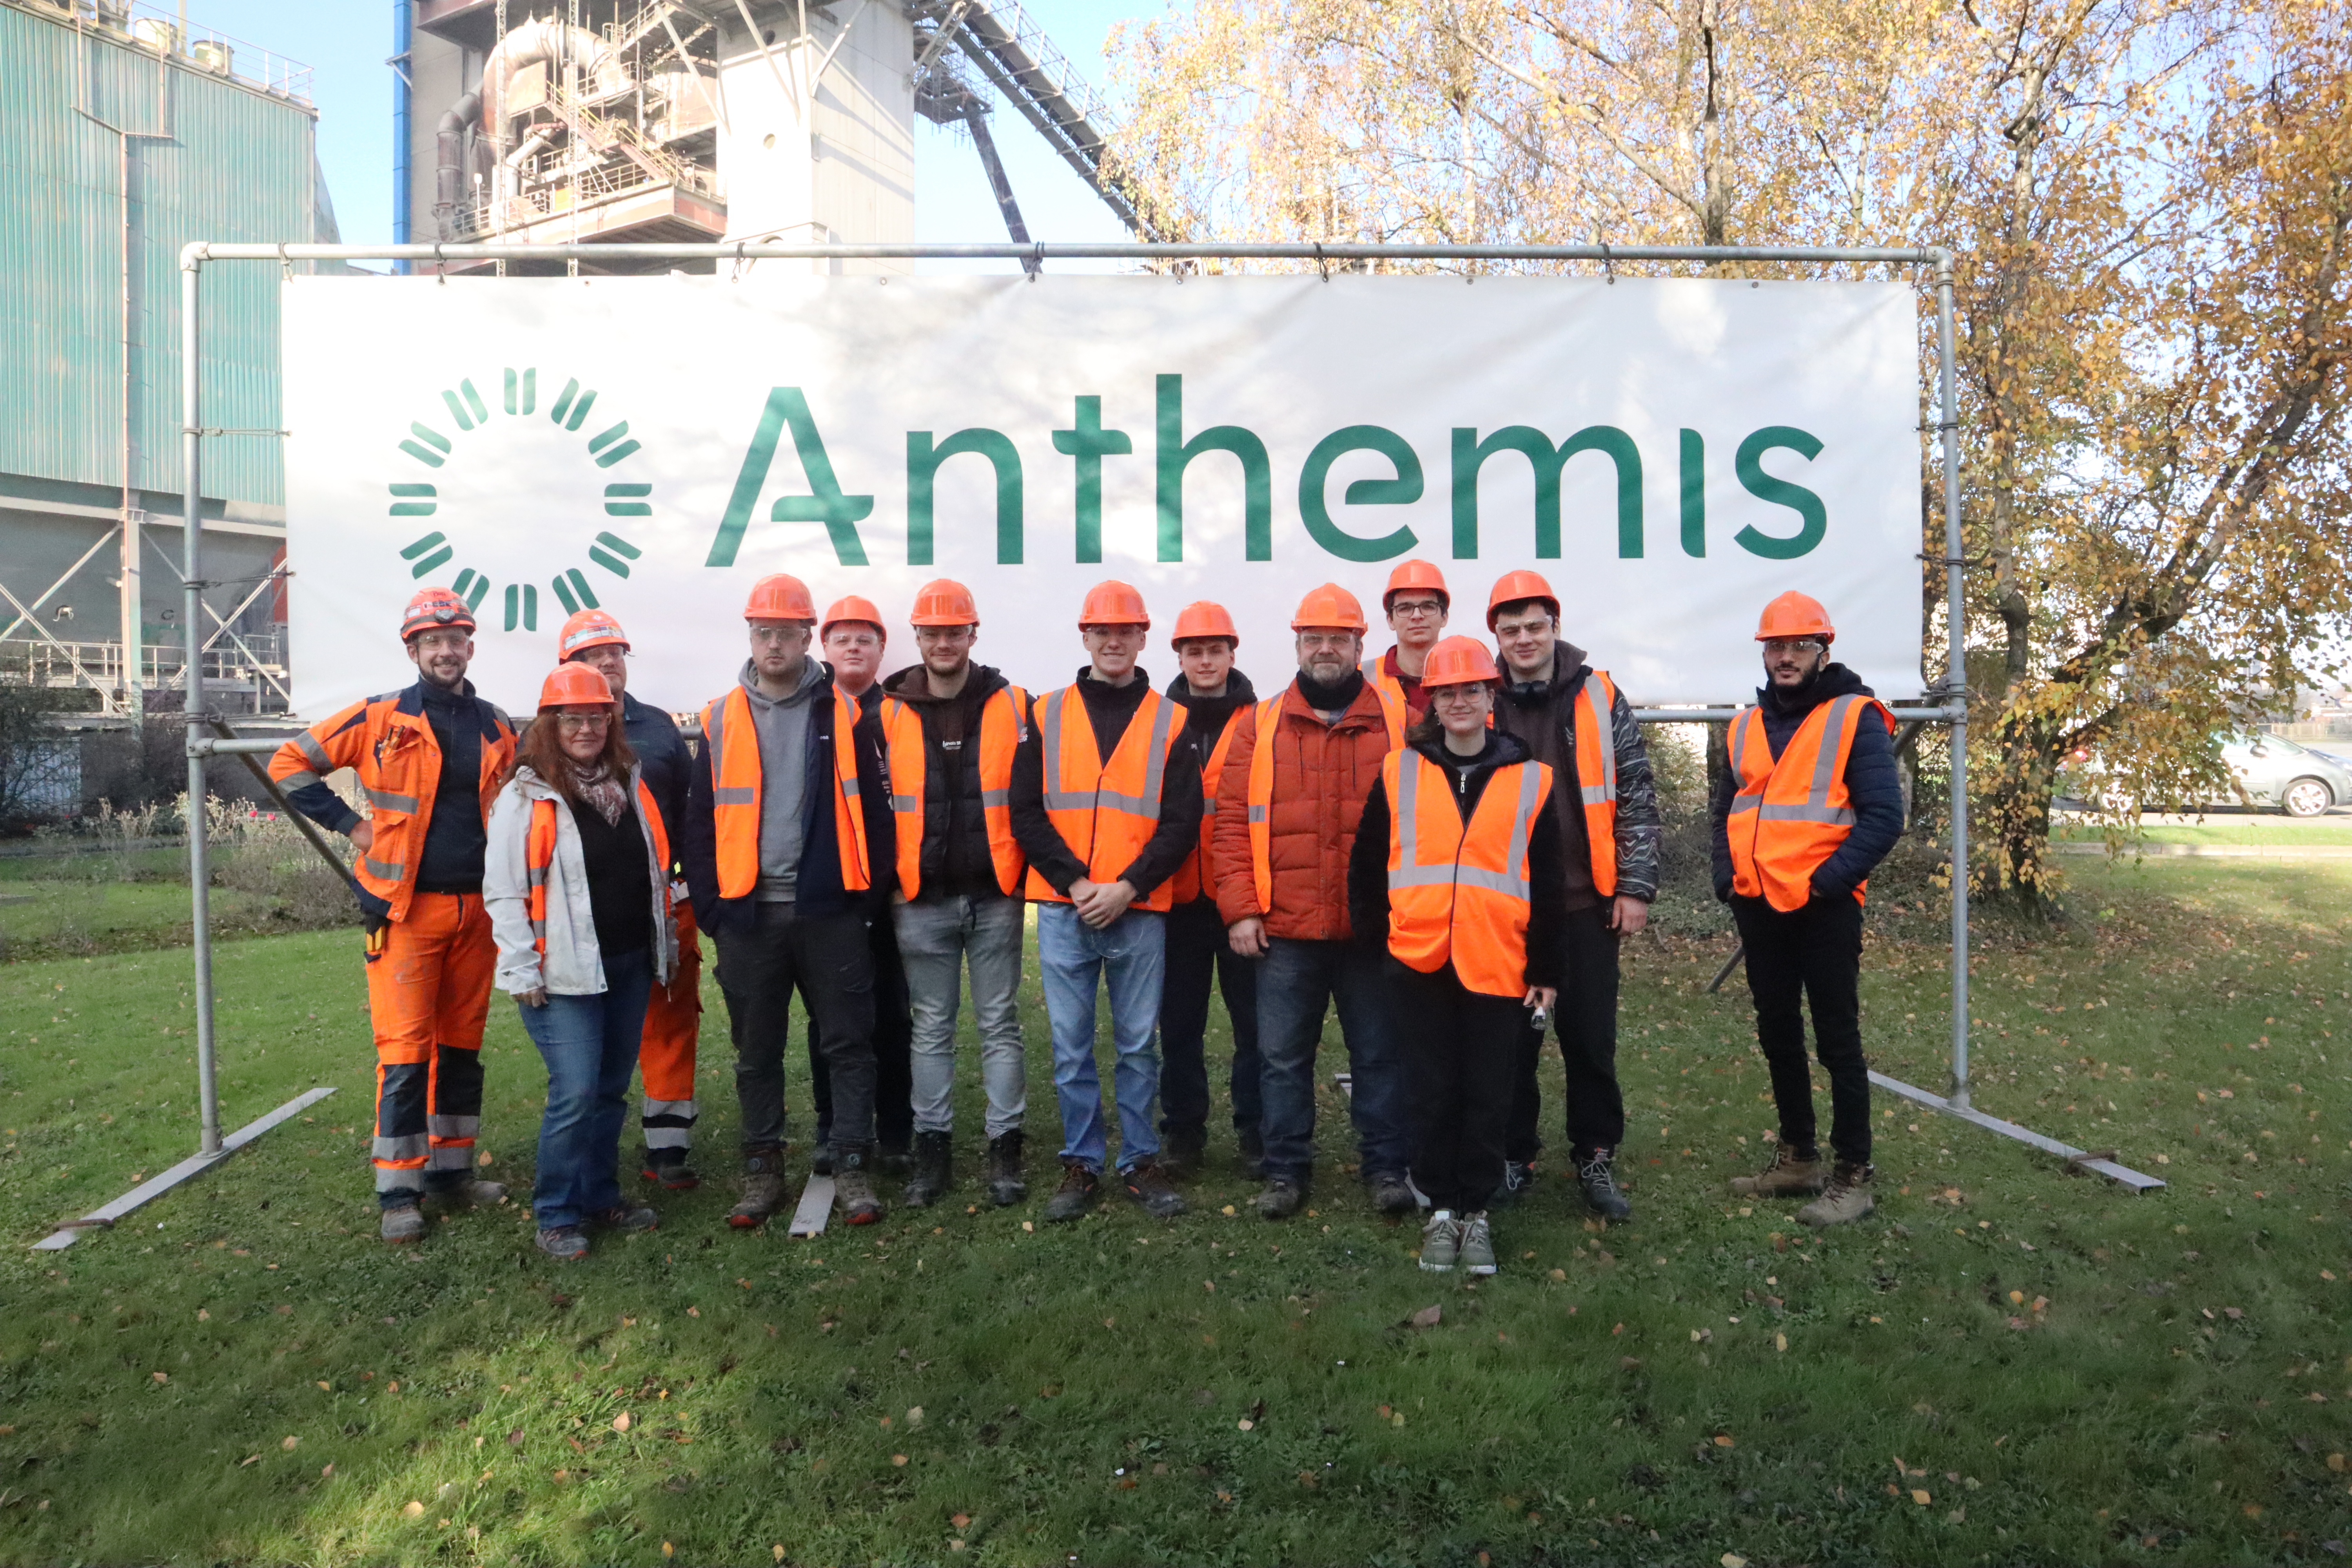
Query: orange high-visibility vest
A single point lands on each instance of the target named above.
(539, 855)
(1792, 812)
(1596, 776)
(1461, 892)
(1105, 811)
(1376, 671)
(1003, 724)
(1394, 715)
(730, 740)
(1191, 878)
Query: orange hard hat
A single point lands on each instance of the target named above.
(1416, 575)
(1112, 603)
(779, 597)
(851, 608)
(587, 629)
(944, 602)
(1327, 606)
(433, 608)
(1456, 661)
(1204, 618)
(573, 686)
(1792, 615)
(1512, 587)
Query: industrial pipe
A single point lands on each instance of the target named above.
(543, 39)
(449, 160)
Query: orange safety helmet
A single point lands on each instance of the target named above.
(944, 602)
(1792, 615)
(433, 608)
(1512, 587)
(779, 597)
(587, 629)
(1112, 603)
(1204, 618)
(851, 608)
(1459, 661)
(1416, 575)
(1328, 607)
(573, 686)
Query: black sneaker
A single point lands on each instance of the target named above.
(1074, 1196)
(1282, 1198)
(1596, 1173)
(1518, 1178)
(563, 1241)
(667, 1168)
(625, 1216)
(1180, 1152)
(1146, 1184)
(1391, 1193)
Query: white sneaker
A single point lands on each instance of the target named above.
(1440, 1242)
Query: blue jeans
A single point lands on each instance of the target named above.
(1130, 959)
(590, 1046)
(1295, 981)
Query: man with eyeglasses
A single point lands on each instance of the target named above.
(1416, 605)
(1811, 802)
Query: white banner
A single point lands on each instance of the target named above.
(1670, 454)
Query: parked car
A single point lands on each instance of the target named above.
(2270, 771)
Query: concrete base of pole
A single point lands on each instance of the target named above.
(194, 1164)
(2135, 1181)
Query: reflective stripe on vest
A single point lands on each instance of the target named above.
(730, 741)
(1596, 776)
(1791, 813)
(1192, 878)
(1458, 892)
(1003, 724)
(1105, 811)
(1393, 717)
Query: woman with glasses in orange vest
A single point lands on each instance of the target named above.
(1456, 865)
(577, 882)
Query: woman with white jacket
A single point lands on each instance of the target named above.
(577, 885)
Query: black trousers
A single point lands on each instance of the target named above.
(1460, 1053)
(828, 960)
(894, 1039)
(1815, 953)
(1197, 953)
(1584, 1021)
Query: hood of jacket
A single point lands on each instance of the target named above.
(1567, 665)
(912, 685)
(1503, 748)
(1834, 680)
(1208, 714)
(814, 674)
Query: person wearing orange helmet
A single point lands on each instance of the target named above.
(669, 1111)
(1575, 721)
(952, 728)
(1456, 874)
(1214, 695)
(577, 880)
(788, 846)
(1811, 802)
(1287, 800)
(1105, 807)
(428, 759)
(1416, 603)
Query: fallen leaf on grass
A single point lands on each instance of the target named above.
(291, 1444)
(1919, 1494)
(416, 1509)
(960, 1521)
(248, 1459)
(1723, 1440)
(1733, 1560)
(621, 1422)
(204, 1315)
(1429, 1317)
(514, 1438)
(898, 1458)
(327, 1473)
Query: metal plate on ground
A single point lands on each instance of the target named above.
(103, 1218)
(817, 1207)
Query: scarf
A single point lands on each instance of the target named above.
(598, 787)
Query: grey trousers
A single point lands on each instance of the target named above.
(938, 940)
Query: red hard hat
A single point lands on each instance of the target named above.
(433, 608)
(1512, 587)
(1114, 604)
(1456, 661)
(851, 608)
(1416, 575)
(573, 686)
(1327, 606)
(587, 629)
(1204, 618)
(780, 597)
(944, 602)
(1792, 615)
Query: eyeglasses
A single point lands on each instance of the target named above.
(1463, 694)
(1416, 607)
(784, 634)
(577, 722)
(859, 641)
(1793, 645)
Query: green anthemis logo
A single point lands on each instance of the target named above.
(607, 551)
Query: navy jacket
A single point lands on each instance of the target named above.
(663, 760)
(1871, 781)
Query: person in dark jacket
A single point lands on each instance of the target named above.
(1796, 834)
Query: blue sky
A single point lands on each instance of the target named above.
(345, 41)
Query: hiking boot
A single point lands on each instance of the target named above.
(1253, 1153)
(1006, 1185)
(1792, 1173)
(566, 1242)
(1441, 1242)
(625, 1216)
(1846, 1199)
(1283, 1197)
(893, 1158)
(1596, 1173)
(470, 1194)
(667, 1167)
(1391, 1193)
(929, 1181)
(763, 1189)
(1146, 1184)
(852, 1186)
(1518, 1176)
(821, 1158)
(1074, 1196)
(403, 1225)
(1474, 1244)
(1180, 1152)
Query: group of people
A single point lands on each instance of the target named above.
(1447, 844)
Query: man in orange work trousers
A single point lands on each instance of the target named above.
(430, 758)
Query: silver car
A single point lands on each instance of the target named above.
(2271, 771)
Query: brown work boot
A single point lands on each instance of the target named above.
(1789, 1175)
(763, 1188)
(1146, 1184)
(1074, 1196)
(853, 1186)
(1846, 1199)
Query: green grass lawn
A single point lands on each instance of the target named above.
(2009, 1363)
(2268, 831)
